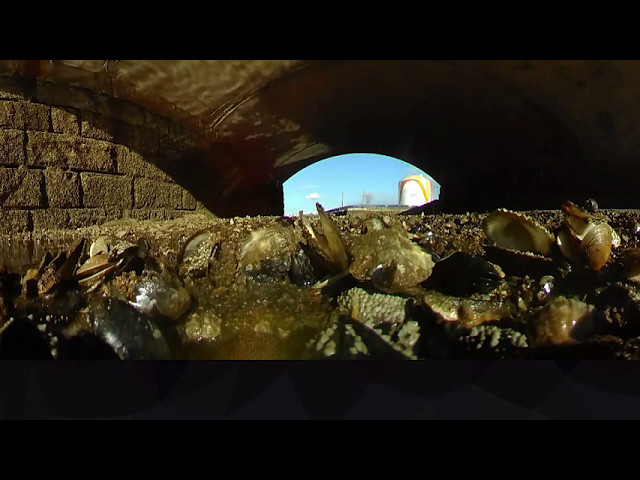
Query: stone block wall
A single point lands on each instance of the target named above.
(70, 157)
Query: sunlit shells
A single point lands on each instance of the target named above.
(514, 231)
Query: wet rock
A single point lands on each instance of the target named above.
(131, 335)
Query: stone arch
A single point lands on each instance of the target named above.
(520, 134)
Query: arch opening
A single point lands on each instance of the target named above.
(359, 180)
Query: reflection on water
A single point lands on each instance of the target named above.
(21, 254)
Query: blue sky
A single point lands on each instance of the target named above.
(351, 174)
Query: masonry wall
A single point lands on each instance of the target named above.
(70, 157)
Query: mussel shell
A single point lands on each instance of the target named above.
(96, 277)
(520, 264)
(46, 260)
(193, 243)
(94, 265)
(128, 254)
(48, 281)
(514, 231)
(462, 274)
(336, 245)
(71, 262)
(58, 261)
(302, 273)
(467, 313)
(330, 246)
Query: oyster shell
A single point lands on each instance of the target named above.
(266, 255)
(390, 259)
(514, 231)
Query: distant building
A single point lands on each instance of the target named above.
(415, 190)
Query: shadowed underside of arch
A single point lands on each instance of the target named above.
(520, 134)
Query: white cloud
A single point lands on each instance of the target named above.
(313, 195)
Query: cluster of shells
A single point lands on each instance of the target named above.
(379, 292)
(99, 295)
